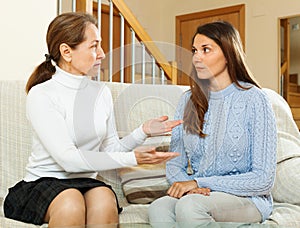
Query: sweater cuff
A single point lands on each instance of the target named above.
(139, 135)
(126, 159)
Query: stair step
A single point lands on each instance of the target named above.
(294, 99)
(294, 78)
(294, 87)
(296, 113)
(298, 123)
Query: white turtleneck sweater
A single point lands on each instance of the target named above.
(74, 133)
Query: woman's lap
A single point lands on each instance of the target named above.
(219, 206)
(29, 201)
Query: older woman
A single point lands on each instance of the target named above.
(74, 134)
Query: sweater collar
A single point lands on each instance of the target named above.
(69, 80)
(223, 93)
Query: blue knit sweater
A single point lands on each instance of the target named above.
(238, 155)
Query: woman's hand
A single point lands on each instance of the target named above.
(159, 126)
(203, 191)
(178, 189)
(148, 155)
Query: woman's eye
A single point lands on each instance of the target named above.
(94, 46)
(194, 50)
(206, 50)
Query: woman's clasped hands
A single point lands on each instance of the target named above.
(179, 189)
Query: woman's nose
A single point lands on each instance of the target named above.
(100, 53)
(198, 56)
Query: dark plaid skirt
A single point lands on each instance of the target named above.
(28, 201)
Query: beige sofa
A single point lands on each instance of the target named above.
(133, 105)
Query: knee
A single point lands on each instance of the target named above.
(101, 199)
(101, 206)
(156, 207)
(72, 204)
(162, 210)
(193, 207)
(185, 208)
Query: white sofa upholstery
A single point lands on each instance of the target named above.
(133, 105)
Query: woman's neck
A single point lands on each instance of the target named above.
(220, 82)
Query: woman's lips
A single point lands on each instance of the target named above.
(200, 68)
(97, 64)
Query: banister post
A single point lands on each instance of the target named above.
(84, 6)
(174, 72)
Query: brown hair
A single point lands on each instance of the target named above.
(228, 39)
(68, 28)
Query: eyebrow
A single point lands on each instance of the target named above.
(203, 45)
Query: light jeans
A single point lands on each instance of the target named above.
(200, 209)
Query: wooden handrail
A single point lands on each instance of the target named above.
(143, 36)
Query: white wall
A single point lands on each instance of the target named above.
(23, 36)
(261, 27)
(24, 27)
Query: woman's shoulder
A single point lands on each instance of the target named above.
(41, 89)
(253, 95)
(252, 90)
(186, 95)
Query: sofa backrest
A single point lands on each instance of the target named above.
(15, 134)
(136, 103)
(133, 104)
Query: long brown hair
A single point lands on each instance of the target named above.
(68, 28)
(228, 39)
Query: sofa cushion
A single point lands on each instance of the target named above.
(133, 105)
(15, 134)
(136, 103)
(287, 182)
(288, 136)
(143, 184)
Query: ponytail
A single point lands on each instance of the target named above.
(42, 73)
(68, 28)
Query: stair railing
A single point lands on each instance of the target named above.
(161, 70)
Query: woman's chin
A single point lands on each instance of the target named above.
(93, 72)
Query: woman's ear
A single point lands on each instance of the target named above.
(66, 52)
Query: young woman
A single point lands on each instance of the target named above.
(227, 140)
(74, 134)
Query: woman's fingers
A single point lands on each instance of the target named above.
(148, 155)
(178, 189)
(203, 191)
(160, 126)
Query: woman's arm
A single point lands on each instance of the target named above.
(176, 169)
(48, 120)
(263, 141)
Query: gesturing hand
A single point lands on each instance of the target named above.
(148, 155)
(160, 126)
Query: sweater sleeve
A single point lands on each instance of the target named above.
(263, 140)
(49, 125)
(176, 168)
(112, 142)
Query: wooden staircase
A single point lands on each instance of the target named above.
(293, 97)
(113, 44)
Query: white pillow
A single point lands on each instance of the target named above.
(287, 183)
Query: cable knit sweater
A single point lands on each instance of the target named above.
(74, 133)
(238, 155)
